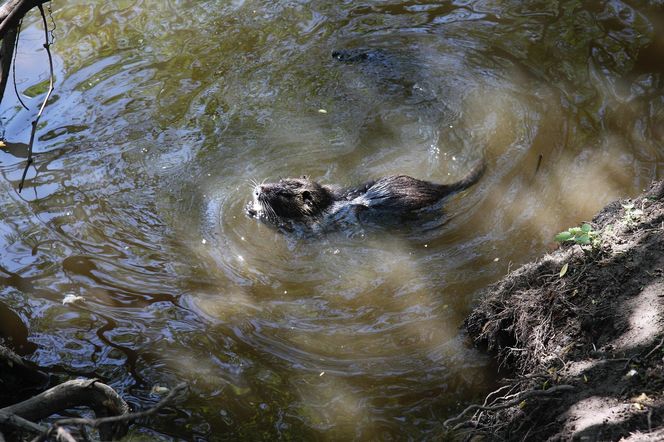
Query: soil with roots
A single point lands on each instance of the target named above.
(590, 317)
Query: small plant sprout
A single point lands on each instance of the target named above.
(583, 235)
(632, 214)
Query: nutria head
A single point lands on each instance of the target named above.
(299, 200)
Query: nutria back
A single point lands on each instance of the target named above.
(402, 194)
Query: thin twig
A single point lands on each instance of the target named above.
(47, 46)
(657, 347)
(50, 15)
(539, 163)
(521, 397)
(18, 37)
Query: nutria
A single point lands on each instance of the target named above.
(359, 55)
(301, 201)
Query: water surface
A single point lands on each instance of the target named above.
(163, 113)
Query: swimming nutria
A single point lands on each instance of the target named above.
(302, 201)
(359, 55)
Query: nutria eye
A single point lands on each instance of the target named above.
(306, 195)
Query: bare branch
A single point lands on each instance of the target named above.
(129, 416)
(657, 347)
(13, 11)
(120, 420)
(91, 393)
(13, 63)
(20, 423)
(6, 55)
(100, 397)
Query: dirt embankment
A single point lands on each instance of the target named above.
(582, 333)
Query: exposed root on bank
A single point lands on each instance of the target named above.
(510, 401)
(592, 317)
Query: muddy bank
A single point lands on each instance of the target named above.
(581, 334)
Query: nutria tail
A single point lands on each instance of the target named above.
(471, 178)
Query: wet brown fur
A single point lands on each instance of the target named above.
(304, 201)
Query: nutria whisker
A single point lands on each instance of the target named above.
(251, 182)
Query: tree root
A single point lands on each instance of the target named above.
(516, 399)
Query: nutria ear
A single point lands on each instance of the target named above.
(304, 177)
(306, 196)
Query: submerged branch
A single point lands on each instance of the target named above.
(20, 423)
(119, 421)
(101, 398)
(128, 417)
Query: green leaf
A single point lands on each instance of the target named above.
(37, 89)
(583, 239)
(586, 228)
(575, 230)
(563, 236)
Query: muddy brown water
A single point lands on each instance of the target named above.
(165, 110)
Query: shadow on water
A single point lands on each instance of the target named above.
(164, 113)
